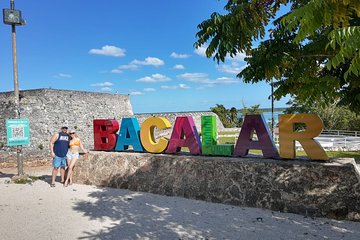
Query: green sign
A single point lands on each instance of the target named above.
(18, 132)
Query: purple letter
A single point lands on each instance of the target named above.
(265, 143)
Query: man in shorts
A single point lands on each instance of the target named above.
(59, 146)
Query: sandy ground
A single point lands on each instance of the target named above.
(37, 211)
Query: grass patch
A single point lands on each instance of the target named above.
(23, 181)
(227, 140)
(35, 178)
(228, 133)
(28, 180)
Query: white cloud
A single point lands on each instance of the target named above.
(174, 87)
(149, 89)
(104, 84)
(194, 77)
(183, 86)
(204, 79)
(109, 51)
(179, 55)
(201, 51)
(136, 93)
(179, 67)
(239, 57)
(134, 65)
(226, 80)
(233, 68)
(128, 67)
(106, 89)
(116, 71)
(62, 75)
(149, 61)
(154, 78)
(120, 68)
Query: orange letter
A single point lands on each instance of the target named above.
(147, 135)
(288, 136)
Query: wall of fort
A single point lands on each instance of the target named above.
(49, 109)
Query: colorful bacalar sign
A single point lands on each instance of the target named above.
(185, 134)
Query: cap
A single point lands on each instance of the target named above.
(64, 127)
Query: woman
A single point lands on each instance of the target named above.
(73, 154)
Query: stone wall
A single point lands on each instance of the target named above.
(330, 189)
(49, 109)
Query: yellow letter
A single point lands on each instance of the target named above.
(288, 136)
(147, 135)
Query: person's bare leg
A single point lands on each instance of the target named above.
(62, 174)
(69, 174)
(53, 177)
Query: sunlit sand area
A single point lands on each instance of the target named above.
(36, 211)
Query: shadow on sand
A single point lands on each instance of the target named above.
(134, 215)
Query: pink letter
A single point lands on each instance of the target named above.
(184, 134)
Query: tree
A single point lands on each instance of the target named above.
(334, 117)
(230, 117)
(223, 115)
(252, 110)
(313, 50)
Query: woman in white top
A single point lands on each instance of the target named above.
(72, 156)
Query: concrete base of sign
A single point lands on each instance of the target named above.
(320, 189)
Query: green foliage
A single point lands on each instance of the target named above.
(28, 180)
(228, 117)
(23, 181)
(252, 110)
(334, 117)
(313, 50)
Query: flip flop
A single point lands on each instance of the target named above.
(52, 185)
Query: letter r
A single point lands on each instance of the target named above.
(288, 136)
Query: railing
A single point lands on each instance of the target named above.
(341, 133)
(329, 139)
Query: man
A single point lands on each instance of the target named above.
(59, 145)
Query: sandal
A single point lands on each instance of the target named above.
(52, 185)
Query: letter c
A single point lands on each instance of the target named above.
(147, 134)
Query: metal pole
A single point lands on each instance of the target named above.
(272, 110)
(16, 90)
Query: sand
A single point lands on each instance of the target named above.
(36, 211)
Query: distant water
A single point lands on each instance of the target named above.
(267, 116)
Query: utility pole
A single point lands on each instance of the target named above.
(272, 110)
(13, 17)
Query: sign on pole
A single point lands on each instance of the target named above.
(18, 132)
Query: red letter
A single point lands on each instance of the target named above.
(105, 134)
(184, 135)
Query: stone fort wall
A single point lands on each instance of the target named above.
(49, 109)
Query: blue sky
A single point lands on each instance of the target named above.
(143, 48)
